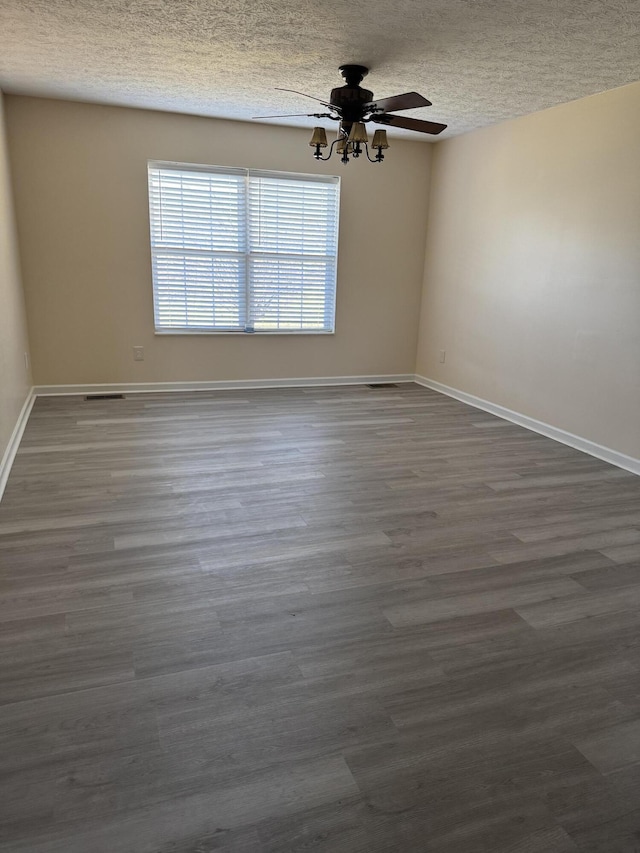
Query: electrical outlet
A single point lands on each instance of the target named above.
(26, 361)
(442, 355)
(138, 353)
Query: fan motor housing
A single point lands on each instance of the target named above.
(351, 100)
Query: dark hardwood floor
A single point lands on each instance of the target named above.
(339, 619)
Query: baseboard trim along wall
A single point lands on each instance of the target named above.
(221, 385)
(620, 460)
(14, 442)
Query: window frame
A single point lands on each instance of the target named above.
(247, 173)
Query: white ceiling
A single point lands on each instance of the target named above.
(479, 61)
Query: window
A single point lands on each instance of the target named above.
(240, 250)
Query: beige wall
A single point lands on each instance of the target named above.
(82, 210)
(15, 378)
(532, 279)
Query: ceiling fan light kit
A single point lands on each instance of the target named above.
(350, 144)
(353, 107)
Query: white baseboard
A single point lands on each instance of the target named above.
(607, 454)
(221, 385)
(620, 460)
(14, 441)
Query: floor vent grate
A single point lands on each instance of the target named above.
(104, 397)
(382, 385)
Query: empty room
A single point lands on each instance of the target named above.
(319, 427)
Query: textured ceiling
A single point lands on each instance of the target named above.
(479, 61)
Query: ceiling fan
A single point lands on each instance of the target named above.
(353, 107)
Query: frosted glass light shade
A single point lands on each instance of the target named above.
(380, 139)
(319, 137)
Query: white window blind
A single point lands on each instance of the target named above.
(242, 250)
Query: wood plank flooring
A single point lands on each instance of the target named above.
(338, 619)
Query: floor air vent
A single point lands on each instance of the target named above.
(104, 397)
(382, 385)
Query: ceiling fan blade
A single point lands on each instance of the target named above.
(324, 103)
(408, 101)
(297, 115)
(409, 123)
